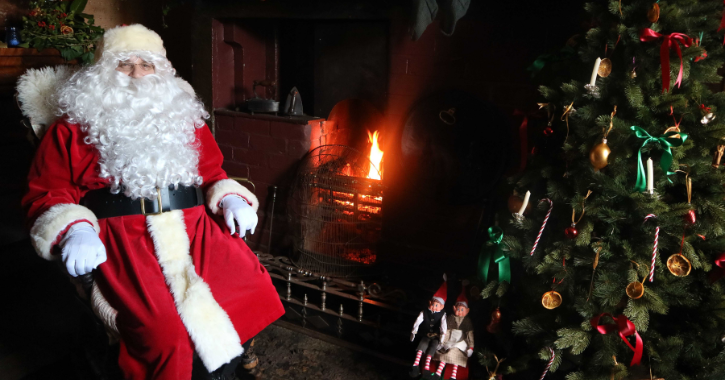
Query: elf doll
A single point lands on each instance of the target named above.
(432, 324)
(458, 345)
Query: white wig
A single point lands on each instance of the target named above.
(144, 128)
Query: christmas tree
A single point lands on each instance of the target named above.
(621, 255)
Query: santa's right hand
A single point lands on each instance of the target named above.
(82, 249)
(412, 337)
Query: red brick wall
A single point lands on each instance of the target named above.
(266, 150)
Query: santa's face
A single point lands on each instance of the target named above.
(136, 67)
(435, 306)
(142, 123)
(460, 310)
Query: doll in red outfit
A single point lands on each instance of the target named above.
(432, 324)
(128, 181)
(458, 345)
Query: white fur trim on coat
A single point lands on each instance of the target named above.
(209, 326)
(130, 37)
(46, 228)
(228, 186)
(36, 94)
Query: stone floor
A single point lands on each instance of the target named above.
(286, 354)
(39, 323)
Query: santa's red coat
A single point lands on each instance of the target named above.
(179, 281)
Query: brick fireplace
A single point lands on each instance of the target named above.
(436, 199)
(361, 51)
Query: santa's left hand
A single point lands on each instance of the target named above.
(236, 208)
(469, 352)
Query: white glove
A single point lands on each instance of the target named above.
(82, 249)
(469, 352)
(236, 208)
(412, 336)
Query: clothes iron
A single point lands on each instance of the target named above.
(262, 105)
(293, 104)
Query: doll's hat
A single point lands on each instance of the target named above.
(129, 38)
(442, 292)
(462, 299)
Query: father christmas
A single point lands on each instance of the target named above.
(129, 181)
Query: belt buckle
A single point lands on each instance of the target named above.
(158, 200)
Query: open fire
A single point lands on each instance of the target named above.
(341, 220)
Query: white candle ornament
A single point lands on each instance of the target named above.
(650, 176)
(526, 203)
(593, 80)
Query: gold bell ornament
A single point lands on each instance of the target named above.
(707, 115)
(719, 151)
(495, 325)
(599, 155)
(653, 14)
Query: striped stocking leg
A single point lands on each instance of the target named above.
(427, 363)
(455, 371)
(417, 358)
(439, 371)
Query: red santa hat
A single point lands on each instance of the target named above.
(462, 299)
(128, 38)
(442, 292)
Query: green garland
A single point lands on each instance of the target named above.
(63, 26)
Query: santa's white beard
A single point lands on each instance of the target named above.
(143, 127)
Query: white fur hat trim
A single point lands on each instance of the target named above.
(128, 38)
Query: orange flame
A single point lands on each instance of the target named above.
(376, 156)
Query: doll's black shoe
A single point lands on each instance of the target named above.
(415, 371)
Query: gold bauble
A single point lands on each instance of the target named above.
(605, 68)
(551, 300)
(653, 14)
(679, 265)
(635, 290)
(599, 154)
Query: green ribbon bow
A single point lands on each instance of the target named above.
(494, 252)
(665, 141)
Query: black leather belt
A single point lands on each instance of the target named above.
(107, 205)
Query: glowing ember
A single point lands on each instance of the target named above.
(364, 255)
(370, 198)
(376, 156)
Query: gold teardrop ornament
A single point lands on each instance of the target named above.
(551, 300)
(653, 14)
(679, 265)
(635, 290)
(599, 155)
(605, 68)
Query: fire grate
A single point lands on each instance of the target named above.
(337, 212)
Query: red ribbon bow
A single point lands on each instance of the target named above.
(706, 109)
(670, 40)
(625, 327)
(718, 272)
